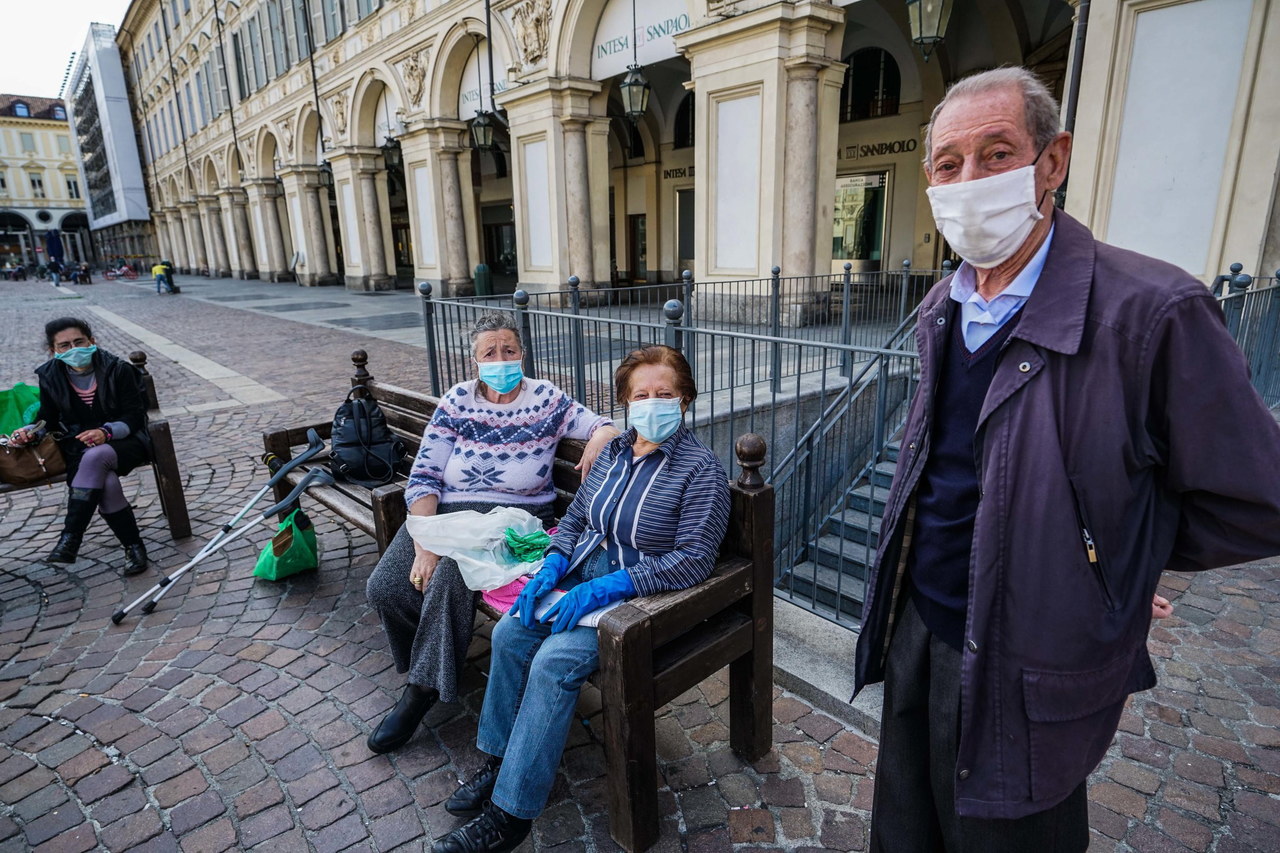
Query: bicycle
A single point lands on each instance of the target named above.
(125, 272)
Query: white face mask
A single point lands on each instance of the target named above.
(987, 220)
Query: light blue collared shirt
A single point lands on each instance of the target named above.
(980, 319)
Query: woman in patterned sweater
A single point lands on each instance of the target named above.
(491, 442)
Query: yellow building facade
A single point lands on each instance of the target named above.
(40, 188)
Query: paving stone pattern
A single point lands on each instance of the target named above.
(235, 716)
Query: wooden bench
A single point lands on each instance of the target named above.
(653, 648)
(164, 460)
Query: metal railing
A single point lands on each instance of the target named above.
(1251, 306)
(828, 396)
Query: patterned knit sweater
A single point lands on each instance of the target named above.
(475, 450)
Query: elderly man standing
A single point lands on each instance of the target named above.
(1083, 423)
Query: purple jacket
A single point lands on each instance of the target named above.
(1120, 437)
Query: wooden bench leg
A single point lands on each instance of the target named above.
(278, 443)
(389, 513)
(169, 480)
(630, 741)
(751, 704)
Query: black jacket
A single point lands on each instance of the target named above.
(121, 396)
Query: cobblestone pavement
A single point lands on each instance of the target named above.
(235, 716)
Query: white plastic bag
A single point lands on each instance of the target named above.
(477, 541)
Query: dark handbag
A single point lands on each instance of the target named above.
(362, 448)
(31, 463)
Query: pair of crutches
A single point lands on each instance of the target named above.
(228, 533)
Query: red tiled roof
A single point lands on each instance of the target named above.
(39, 107)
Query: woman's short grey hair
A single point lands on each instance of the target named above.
(495, 321)
(1041, 107)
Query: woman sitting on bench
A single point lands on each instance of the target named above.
(96, 403)
(649, 519)
(491, 443)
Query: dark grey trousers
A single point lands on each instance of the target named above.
(428, 631)
(914, 806)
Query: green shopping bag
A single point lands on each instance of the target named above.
(18, 407)
(293, 549)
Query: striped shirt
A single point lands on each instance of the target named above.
(661, 516)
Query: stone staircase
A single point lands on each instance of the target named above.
(838, 561)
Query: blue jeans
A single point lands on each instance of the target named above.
(534, 680)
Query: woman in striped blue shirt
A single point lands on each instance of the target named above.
(648, 518)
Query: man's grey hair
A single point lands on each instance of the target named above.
(495, 321)
(1041, 107)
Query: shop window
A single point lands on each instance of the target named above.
(21, 110)
(859, 220)
(872, 85)
(684, 129)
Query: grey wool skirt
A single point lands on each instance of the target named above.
(429, 631)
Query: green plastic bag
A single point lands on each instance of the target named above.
(293, 549)
(18, 407)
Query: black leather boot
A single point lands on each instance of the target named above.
(494, 831)
(469, 799)
(81, 504)
(399, 725)
(124, 525)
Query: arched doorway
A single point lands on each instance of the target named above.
(652, 200)
(17, 243)
(491, 181)
(76, 238)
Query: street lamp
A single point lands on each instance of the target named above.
(391, 153)
(635, 93)
(929, 23)
(635, 88)
(482, 130)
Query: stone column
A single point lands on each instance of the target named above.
(578, 201)
(246, 261)
(305, 182)
(371, 213)
(195, 235)
(181, 248)
(262, 193)
(800, 167)
(457, 270)
(162, 233)
(221, 267)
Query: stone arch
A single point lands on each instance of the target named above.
(266, 150)
(234, 164)
(451, 57)
(209, 172)
(573, 32)
(365, 115)
(306, 142)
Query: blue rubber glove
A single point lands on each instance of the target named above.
(589, 597)
(554, 567)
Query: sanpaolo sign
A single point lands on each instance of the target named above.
(657, 22)
(878, 149)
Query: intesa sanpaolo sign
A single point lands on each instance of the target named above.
(657, 22)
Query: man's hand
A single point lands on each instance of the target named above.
(1160, 607)
(598, 440)
(424, 566)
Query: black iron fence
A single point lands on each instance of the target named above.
(827, 386)
(1251, 306)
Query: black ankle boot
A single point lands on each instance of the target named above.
(399, 725)
(469, 799)
(494, 831)
(124, 525)
(81, 504)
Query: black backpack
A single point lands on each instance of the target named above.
(362, 448)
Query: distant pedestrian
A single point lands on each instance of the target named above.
(55, 271)
(160, 272)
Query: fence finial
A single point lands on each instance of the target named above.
(673, 310)
(424, 288)
(521, 298)
(1236, 268)
(751, 450)
(848, 267)
(686, 276)
(1241, 282)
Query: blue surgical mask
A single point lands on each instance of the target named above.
(501, 376)
(657, 419)
(77, 357)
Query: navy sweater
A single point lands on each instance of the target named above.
(947, 500)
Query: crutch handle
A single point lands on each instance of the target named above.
(314, 445)
(314, 477)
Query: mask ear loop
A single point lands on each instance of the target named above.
(1040, 201)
